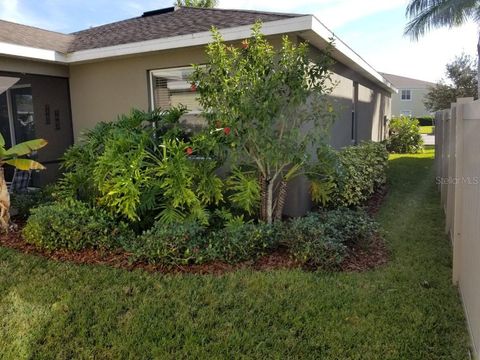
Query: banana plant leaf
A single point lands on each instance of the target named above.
(25, 148)
(25, 164)
(2, 141)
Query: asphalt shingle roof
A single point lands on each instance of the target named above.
(157, 25)
(406, 83)
(183, 21)
(24, 35)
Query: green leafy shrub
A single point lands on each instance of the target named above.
(348, 177)
(175, 244)
(321, 240)
(189, 243)
(308, 243)
(426, 121)
(75, 226)
(405, 137)
(243, 242)
(80, 159)
(164, 172)
(23, 203)
(354, 227)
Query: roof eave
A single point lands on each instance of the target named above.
(320, 35)
(32, 53)
(307, 27)
(277, 27)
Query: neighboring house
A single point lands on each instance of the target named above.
(409, 99)
(68, 83)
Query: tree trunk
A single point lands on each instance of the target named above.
(263, 197)
(478, 67)
(4, 203)
(281, 198)
(270, 184)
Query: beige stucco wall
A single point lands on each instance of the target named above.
(103, 90)
(10, 64)
(415, 105)
(371, 105)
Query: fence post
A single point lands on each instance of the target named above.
(445, 141)
(450, 199)
(455, 233)
(438, 145)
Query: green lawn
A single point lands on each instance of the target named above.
(426, 130)
(406, 310)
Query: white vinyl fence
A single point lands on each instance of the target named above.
(457, 149)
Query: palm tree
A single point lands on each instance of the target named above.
(425, 15)
(12, 157)
(197, 3)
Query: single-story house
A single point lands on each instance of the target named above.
(411, 94)
(69, 82)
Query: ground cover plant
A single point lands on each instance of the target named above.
(407, 309)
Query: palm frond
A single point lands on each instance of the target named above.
(425, 15)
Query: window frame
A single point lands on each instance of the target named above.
(157, 73)
(409, 92)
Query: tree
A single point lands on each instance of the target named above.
(427, 14)
(462, 81)
(12, 157)
(273, 103)
(197, 3)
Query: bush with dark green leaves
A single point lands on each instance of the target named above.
(23, 203)
(174, 244)
(426, 121)
(189, 243)
(405, 137)
(349, 177)
(321, 240)
(74, 225)
(243, 242)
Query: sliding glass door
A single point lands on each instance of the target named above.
(17, 122)
(22, 113)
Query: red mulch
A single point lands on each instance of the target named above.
(357, 260)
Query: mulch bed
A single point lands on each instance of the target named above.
(375, 202)
(120, 259)
(357, 260)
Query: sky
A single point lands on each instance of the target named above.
(373, 28)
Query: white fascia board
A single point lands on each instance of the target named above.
(322, 31)
(31, 53)
(297, 24)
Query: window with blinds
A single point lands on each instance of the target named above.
(171, 87)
